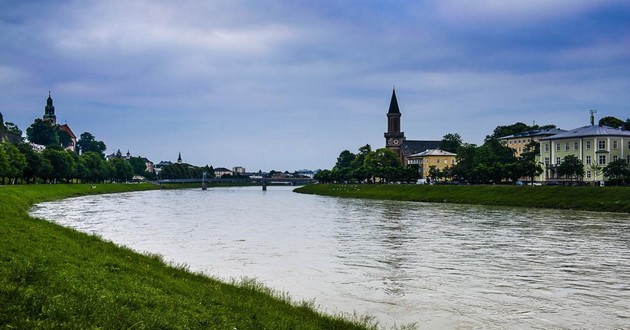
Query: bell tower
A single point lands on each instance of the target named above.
(394, 138)
(49, 111)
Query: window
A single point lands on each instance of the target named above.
(557, 146)
(602, 159)
(566, 146)
(575, 146)
(628, 161)
(547, 147)
(615, 144)
(588, 160)
(588, 174)
(628, 144)
(588, 144)
(547, 160)
(557, 160)
(615, 157)
(601, 145)
(438, 161)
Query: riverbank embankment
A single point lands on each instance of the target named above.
(601, 199)
(56, 277)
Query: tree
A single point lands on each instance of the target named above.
(61, 162)
(617, 170)
(42, 132)
(13, 128)
(15, 162)
(451, 142)
(571, 167)
(123, 172)
(611, 122)
(381, 163)
(87, 142)
(345, 160)
(501, 131)
(139, 165)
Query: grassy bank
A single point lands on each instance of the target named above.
(607, 199)
(55, 277)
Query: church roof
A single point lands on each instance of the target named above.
(411, 147)
(67, 129)
(393, 104)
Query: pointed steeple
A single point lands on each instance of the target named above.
(179, 158)
(393, 104)
(49, 111)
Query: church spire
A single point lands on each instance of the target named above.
(179, 158)
(393, 104)
(49, 111)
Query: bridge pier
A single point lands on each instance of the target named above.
(264, 185)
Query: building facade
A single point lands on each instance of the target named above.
(519, 142)
(434, 157)
(594, 145)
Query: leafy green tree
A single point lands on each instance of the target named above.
(345, 160)
(62, 164)
(123, 171)
(381, 163)
(64, 138)
(139, 165)
(611, 122)
(87, 142)
(571, 167)
(502, 131)
(13, 128)
(34, 162)
(42, 132)
(323, 176)
(96, 167)
(617, 171)
(451, 142)
(15, 162)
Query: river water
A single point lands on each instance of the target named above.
(437, 265)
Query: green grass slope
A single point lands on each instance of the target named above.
(53, 277)
(606, 199)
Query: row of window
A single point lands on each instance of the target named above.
(602, 159)
(519, 141)
(601, 145)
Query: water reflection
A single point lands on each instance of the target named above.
(442, 266)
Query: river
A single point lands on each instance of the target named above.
(441, 266)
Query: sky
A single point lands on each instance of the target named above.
(288, 85)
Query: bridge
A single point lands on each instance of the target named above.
(262, 181)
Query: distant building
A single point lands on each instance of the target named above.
(518, 142)
(238, 170)
(594, 145)
(221, 171)
(395, 138)
(159, 166)
(434, 157)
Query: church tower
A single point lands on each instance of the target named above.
(49, 111)
(394, 138)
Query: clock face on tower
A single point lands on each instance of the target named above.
(396, 142)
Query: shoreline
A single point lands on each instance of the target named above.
(56, 277)
(598, 199)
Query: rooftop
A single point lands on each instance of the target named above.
(590, 130)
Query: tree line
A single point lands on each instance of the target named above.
(20, 163)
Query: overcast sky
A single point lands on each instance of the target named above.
(288, 85)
